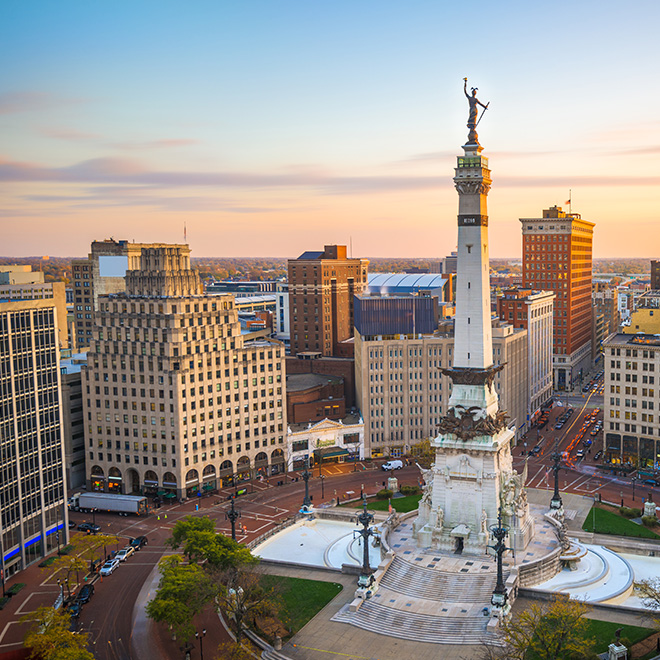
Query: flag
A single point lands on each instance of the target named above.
(568, 201)
(389, 507)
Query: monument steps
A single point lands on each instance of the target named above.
(418, 627)
(433, 584)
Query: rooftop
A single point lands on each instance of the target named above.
(302, 382)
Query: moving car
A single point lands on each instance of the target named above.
(125, 553)
(580, 454)
(392, 465)
(109, 567)
(87, 526)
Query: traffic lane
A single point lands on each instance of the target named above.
(108, 616)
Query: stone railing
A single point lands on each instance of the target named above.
(539, 570)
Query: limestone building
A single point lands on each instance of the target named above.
(32, 488)
(403, 394)
(557, 257)
(73, 422)
(532, 310)
(321, 290)
(632, 400)
(175, 401)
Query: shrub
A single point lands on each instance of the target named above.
(46, 562)
(649, 521)
(627, 512)
(409, 490)
(66, 549)
(15, 588)
(3, 601)
(384, 494)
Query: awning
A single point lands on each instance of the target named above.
(330, 452)
(208, 486)
(169, 496)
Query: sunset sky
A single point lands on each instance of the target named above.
(275, 127)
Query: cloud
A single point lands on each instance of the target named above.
(128, 172)
(68, 134)
(167, 143)
(15, 102)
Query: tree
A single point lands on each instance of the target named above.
(49, 638)
(233, 651)
(649, 592)
(244, 597)
(549, 631)
(183, 592)
(200, 543)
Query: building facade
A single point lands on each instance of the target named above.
(73, 422)
(325, 442)
(402, 394)
(175, 400)
(534, 311)
(557, 257)
(20, 283)
(321, 290)
(33, 517)
(632, 400)
(655, 275)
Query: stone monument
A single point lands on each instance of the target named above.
(473, 474)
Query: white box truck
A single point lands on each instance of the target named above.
(121, 504)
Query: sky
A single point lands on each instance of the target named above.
(270, 128)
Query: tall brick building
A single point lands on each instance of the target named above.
(655, 275)
(321, 290)
(557, 257)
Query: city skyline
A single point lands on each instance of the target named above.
(307, 125)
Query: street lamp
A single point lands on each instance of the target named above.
(366, 578)
(201, 645)
(555, 502)
(633, 485)
(61, 586)
(307, 502)
(94, 519)
(499, 531)
(232, 516)
(322, 489)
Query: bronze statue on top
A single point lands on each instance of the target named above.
(474, 102)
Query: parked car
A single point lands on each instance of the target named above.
(125, 553)
(535, 451)
(89, 527)
(138, 542)
(109, 567)
(650, 482)
(72, 525)
(579, 454)
(392, 465)
(85, 593)
(75, 608)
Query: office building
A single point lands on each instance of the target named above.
(402, 394)
(102, 273)
(282, 318)
(32, 490)
(18, 282)
(73, 422)
(557, 257)
(655, 275)
(632, 400)
(646, 315)
(321, 290)
(532, 310)
(176, 401)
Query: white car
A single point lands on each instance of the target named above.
(109, 567)
(125, 553)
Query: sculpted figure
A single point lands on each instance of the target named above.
(484, 521)
(441, 517)
(427, 488)
(474, 109)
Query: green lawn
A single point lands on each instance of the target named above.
(603, 633)
(609, 522)
(303, 599)
(401, 504)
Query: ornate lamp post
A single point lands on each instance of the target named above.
(499, 532)
(322, 486)
(366, 578)
(200, 637)
(555, 502)
(232, 516)
(307, 502)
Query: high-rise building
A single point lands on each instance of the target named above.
(655, 275)
(73, 422)
(532, 310)
(557, 256)
(321, 290)
(32, 490)
(19, 282)
(175, 400)
(102, 273)
(632, 400)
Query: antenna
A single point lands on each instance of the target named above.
(351, 246)
(185, 233)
